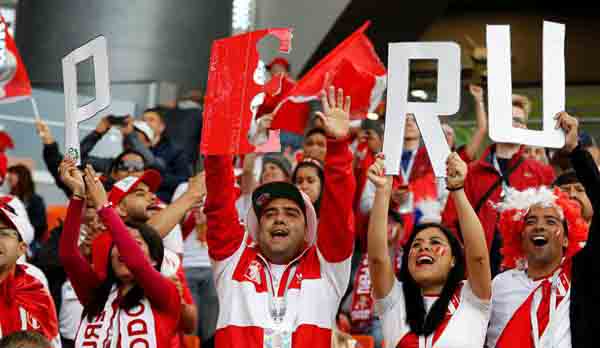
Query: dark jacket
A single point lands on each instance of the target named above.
(104, 165)
(36, 211)
(585, 279)
(177, 167)
(52, 158)
(47, 260)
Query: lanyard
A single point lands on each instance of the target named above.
(504, 179)
(278, 304)
(406, 173)
(537, 299)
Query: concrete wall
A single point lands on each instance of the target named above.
(311, 20)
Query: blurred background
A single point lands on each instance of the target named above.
(159, 50)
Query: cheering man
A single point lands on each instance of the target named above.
(281, 277)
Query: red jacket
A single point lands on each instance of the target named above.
(480, 178)
(25, 304)
(318, 277)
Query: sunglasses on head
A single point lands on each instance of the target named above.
(130, 166)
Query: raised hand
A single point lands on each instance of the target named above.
(476, 92)
(96, 191)
(456, 171)
(570, 126)
(72, 177)
(336, 113)
(376, 175)
(103, 126)
(196, 189)
(44, 132)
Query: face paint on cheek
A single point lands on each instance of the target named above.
(439, 250)
(412, 252)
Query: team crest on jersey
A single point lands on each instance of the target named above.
(253, 272)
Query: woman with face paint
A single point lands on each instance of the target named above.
(431, 305)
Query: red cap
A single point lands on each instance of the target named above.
(124, 186)
(280, 61)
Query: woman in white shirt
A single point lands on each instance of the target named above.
(431, 305)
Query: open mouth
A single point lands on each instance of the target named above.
(279, 234)
(539, 241)
(425, 260)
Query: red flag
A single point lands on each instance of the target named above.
(354, 66)
(14, 81)
(292, 116)
(233, 92)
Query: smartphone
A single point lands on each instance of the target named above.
(117, 120)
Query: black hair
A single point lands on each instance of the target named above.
(320, 173)
(136, 294)
(160, 111)
(568, 177)
(24, 339)
(126, 152)
(25, 185)
(422, 323)
(313, 131)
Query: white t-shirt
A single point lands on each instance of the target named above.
(195, 254)
(466, 328)
(70, 312)
(510, 290)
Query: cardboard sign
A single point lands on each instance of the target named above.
(97, 49)
(500, 87)
(235, 90)
(426, 114)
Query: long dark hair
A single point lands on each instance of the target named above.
(136, 294)
(320, 174)
(25, 186)
(421, 322)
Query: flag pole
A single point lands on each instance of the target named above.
(36, 111)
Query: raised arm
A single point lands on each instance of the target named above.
(476, 253)
(481, 120)
(158, 289)
(336, 226)
(381, 269)
(168, 218)
(586, 170)
(225, 233)
(79, 271)
(92, 138)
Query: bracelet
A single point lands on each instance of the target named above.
(452, 189)
(78, 196)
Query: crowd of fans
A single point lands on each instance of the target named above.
(310, 247)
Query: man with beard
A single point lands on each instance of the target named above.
(281, 277)
(550, 299)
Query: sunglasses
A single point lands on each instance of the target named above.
(130, 166)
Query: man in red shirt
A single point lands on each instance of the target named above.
(501, 166)
(25, 304)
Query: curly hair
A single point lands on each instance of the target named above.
(512, 221)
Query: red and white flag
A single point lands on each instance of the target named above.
(235, 89)
(354, 66)
(14, 81)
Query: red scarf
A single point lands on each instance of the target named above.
(25, 304)
(411, 340)
(518, 331)
(361, 310)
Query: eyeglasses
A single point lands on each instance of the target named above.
(9, 233)
(130, 166)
